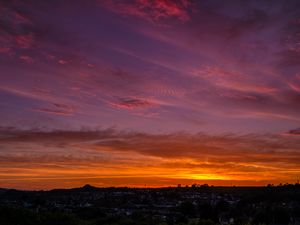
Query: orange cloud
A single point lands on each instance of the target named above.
(112, 156)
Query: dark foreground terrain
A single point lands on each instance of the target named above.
(203, 205)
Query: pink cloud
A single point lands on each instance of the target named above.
(53, 111)
(233, 80)
(22, 18)
(24, 41)
(90, 65)
(132, 103)
(4, 50)
(62, 62)
(294, 132)
(26, 59)
(152, 10)
(57, 109)
(262, 114)
(294, 87)
(294, 83)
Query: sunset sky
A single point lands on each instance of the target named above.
(148, 93)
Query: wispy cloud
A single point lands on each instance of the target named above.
(57, 109)
(152, 11)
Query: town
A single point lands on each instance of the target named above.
(192, 205)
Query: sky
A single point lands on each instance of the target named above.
(149, 93)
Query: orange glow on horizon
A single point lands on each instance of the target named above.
(107, 158)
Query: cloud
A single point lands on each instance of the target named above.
(24, 32)
(109, 154)
(294, 132)
(233, 80)
(151, 10)
(16, 27)
(4, 50)
(54, 111)
(26, 59)
(289, 56)
(45, 97)
(62, 62)
(247, 148)
(132, 103)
